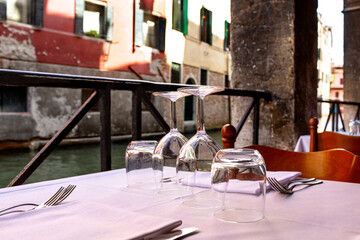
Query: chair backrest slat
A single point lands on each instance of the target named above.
(329, 140)
(334, 164)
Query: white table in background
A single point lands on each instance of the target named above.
(327, 211)
(303, 144)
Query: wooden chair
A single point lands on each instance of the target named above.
(330, 140)
(335, 164)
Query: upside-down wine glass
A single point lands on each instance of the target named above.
(197, 154)
(167, 150)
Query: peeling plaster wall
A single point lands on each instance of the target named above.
(16, 44)
(51, 108)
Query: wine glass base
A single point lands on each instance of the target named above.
(173, 193)
(144, 187)
(239, 215)
(173, 190)
(202, 203)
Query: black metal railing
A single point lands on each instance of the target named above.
(335, 113)
(102, 88)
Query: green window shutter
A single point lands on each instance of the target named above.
(209, 32)
(2, 10)
(185, 17)
(79, 16)
(139, 19)
(226, 36)
(202, 14)
(109, 23)
(38, 13)
(176, 23)
(160, 31)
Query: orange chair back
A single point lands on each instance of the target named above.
(334, 164)
(330, 140)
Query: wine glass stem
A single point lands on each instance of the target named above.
(200, 116)
(173, 115)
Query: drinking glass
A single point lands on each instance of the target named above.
(354, 126)
(167, 150)
(197, 154)
(238, 177)
(138, 160)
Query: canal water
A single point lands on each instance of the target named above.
(67, 161)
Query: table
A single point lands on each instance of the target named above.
(303, 144)
(326, 211)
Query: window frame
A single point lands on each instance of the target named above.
(35, 9)
(226, 81)
(106, 21)
(172, 72)
(19, 94)
(206, 25)
(182, 16)
(206, 74)
(160, 30)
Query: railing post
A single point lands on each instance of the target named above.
(333, 117)
(136, 113)
(105, 132)
(155, 113)
(341, 118)
(256, 118)
(331, 112)
(337, 117)
(244, 117)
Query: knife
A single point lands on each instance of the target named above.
(178, 234)
(301, 180)
(185, 232)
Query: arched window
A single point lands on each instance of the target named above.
(189, 104)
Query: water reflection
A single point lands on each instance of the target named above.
(66, 161)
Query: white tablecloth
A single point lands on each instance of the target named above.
(327, 211)
(303, 144)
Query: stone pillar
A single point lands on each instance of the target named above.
(274, 48)
(351, 57)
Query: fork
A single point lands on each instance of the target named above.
(58, 197)
(277, 186)
(301, 180)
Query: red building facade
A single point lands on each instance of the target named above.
(110, 38)
(60, 32)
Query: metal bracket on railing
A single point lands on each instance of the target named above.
(255, 104)
(54, 141)
(155, 113)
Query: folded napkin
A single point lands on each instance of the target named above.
(80, 220)
(203, 180)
